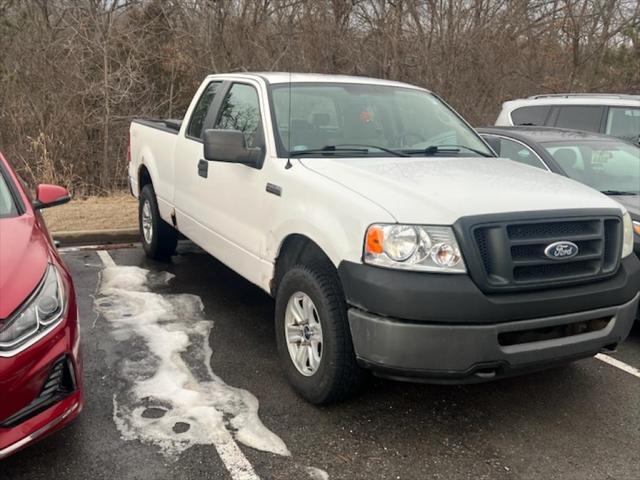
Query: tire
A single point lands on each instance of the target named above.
(336, 375)
(159, 242)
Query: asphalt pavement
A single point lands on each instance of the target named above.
(581, 421)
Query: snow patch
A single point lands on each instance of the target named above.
(172, 398)
(317, 474)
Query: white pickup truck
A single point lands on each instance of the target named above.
(389, 234)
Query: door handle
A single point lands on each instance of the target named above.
(203, 168)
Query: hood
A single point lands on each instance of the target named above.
(631, 203)
(441, 190)
(24, 254)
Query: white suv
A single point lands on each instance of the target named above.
(611, 114)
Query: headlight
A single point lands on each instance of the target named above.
(627, 242)
(413, 247)
(39, 313)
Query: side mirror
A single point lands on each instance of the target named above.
(50, 196)
(229, 146)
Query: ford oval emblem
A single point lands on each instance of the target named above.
(561, 250)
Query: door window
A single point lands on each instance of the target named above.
(7, 205)
(240, 110)
(517, 152)
(580, 117)
(200, 111)
(623, 122)
(530, 115)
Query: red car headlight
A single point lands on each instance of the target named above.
(39, 314)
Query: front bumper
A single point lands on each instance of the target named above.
(441, 328)
(473, 353)
(46, 423)
(32, 405)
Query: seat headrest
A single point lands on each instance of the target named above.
(566, 157)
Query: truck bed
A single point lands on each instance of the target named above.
(153, 140)
(170, 125)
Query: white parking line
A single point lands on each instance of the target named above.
(106, 258)
(618, 364)
(232, 457)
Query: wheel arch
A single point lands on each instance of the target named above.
(144, 177)
(147, 169)
(295, 249)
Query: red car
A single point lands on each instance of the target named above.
(40, 366)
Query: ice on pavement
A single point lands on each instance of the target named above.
(172, 398)
(317, 473)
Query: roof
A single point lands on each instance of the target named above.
(621, 96)
(545, 134)
(286, 77)
(611, 99)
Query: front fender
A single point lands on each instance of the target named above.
(332, 241)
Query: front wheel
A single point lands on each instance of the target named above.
(159, 239)
(313, 336)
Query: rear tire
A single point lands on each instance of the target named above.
(328, 372)
(159, 239)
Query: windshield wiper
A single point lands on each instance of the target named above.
(328, 150)
(396, 153)
(617, 192)
(435, 149)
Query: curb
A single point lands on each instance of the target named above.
(93, 237)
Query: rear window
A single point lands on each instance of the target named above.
(8, 206)
(530, 115)
(580, 117)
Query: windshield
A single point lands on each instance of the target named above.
(379, 118)
(7, 204)
(608, 166)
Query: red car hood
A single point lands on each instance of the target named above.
(24, 254)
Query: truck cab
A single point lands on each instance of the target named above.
(391, 237)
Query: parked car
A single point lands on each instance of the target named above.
(610, 114)
(40, 365)
(607, 164)
(389, 234)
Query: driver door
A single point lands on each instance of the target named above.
(221, 203)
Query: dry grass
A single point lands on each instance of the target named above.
(94, 213)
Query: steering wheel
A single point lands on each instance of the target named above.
(402, 139)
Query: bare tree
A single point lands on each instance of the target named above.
(73, 73)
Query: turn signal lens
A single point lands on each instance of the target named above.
(636, 227)
(375, 237)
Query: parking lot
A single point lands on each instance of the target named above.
(175, 368)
